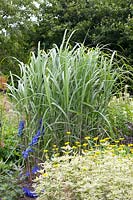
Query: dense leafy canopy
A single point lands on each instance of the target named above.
(16, 25)
(96, 22)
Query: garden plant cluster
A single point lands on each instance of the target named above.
(68, 132)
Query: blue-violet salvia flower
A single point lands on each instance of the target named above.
(35, 169)
(26, 152)
(21, 127)
(35, 138)
(38, 134)
(29, 193)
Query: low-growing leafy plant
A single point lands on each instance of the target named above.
(96, 174)
(9, 182)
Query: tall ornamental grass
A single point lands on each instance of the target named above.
(69, 89)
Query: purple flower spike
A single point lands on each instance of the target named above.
(26, 152)
(35, 169)
(35, 138)
(38, 133)
(29, 193)
(21, 127)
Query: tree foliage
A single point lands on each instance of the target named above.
(16, 25)
(97, 22)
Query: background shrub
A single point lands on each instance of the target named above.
(104, 22)
(8, 130)
(121, 114)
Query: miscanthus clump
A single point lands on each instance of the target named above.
(94, 176)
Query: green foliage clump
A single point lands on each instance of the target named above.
(121, 114)
(8, 130)
(96, 175)
(9, 185)
(9, 153)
